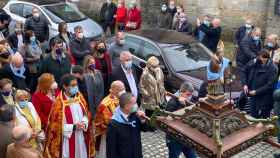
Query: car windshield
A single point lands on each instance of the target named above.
(64, 12)
(187, 57)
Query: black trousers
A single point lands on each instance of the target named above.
(111, 25)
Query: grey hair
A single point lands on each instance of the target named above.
(186, 86)
(125, 99)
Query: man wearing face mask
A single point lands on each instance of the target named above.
(125, 130)
(243, 31)
(183, 25)
(271, 44)
(134, 18)
(104, 114)
(80, 46)
(151, 86)
(185, 95)
(198, 33)
(164, 20)
(57, 62)
(117, 47)
(248, 48)
(69, 125)
(39, 25)
(126, 73)
(17, 72)
(107, 16)
(258, 79)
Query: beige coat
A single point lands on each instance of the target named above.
(18, 151)
(152, 89)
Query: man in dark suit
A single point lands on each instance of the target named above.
(126, 73)
(248, 48)
(243, 31)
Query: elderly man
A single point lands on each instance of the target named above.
(80, 46)
(248, 48)
(243, 31)
(152, 86)
(126, 73)
(21, 148)
(212, 33)
(17, 72)
(104, 114)
(117, 47)
(185, 95)
(124, 131)
(271, 44)
(7, 118)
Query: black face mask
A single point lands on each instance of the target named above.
(5, 55)
(101, 50)
(58, 51)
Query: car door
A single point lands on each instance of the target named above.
(16, 12)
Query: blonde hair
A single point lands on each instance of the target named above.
(45, 82)
(86, 61)
(22, 93)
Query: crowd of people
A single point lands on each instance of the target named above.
(74, 97)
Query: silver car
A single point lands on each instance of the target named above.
(54, 12)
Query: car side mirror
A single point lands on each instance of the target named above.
(131, 50)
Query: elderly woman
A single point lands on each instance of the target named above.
(44, 97)
(94, 84)
(26, 115)
(152, 86)
(7, 93)
(103, 63)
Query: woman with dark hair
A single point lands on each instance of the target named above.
(69, 124)
(94, 84)
(31, 53)
(44, 97)
(7, 93)
(103, 63)
(63, 34)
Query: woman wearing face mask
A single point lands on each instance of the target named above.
(121, 15)
(94, 84)
(180, 10)
(7, 92)
(152, 86)
(26, 115)
(134, 18)
(103, 63)
(31, 52)
(44, 97)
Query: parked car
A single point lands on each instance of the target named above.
(182, 58)
(55, 11)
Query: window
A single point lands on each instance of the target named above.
(16, 8)
(27, 10)
(133, 45)
(149, 50)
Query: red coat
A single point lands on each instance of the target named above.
(43, 105)
(121, 15)
(134, 15)
(109, 65)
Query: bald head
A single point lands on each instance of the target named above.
(17, 60)
(116, 88)
(120, 37)
(216, 22)
(21, 134)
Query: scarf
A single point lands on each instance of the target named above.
(19, 72)
(120, 117)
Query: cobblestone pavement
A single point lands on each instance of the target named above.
(154, 146)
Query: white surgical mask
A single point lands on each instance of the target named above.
(36, 15)
(121, 92)
(109, 1)
(163, 8)
(122, 41)
(54, 86)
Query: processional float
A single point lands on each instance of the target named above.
(213, 126)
